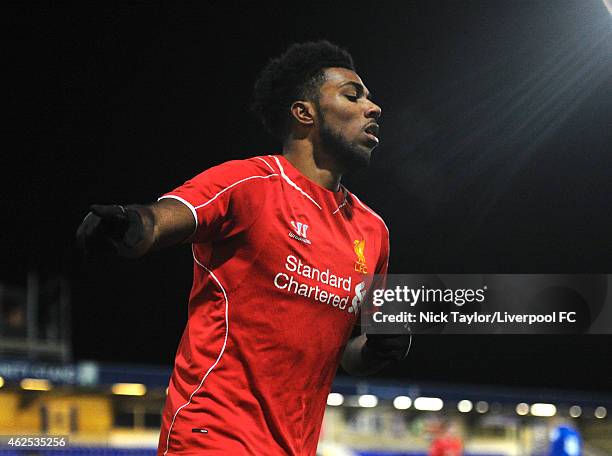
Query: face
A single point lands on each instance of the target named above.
(347, 118)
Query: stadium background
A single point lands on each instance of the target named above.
(495, 158)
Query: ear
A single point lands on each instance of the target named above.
(303, 112)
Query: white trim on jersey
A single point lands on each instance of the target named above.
(371, 212)
(233, 185)
(345, 191)
(267, 164)
(409, 347)
(218, 357)
(340, 207)
(293, 184)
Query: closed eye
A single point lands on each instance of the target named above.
(352, 97)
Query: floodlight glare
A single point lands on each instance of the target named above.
(35, 384)
(129, 389)
(367, 400)
(428, 404)
(543, 410)
(402, 402)
(465, 406)
(335, 399)
(600, 412)
(482, 407)
(522, 409)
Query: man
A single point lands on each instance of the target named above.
(281, 254)
(565, 440)
(446, 440)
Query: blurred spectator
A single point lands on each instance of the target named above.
(15, 322)
(13, 313)
(565, 440)
(447, 441)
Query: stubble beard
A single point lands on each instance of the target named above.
(349, 155)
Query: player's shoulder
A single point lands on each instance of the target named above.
(368, 213)
(263, 163)
(234, 172)
(252, 166)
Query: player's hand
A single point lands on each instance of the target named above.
(109, 229)
(393, 347)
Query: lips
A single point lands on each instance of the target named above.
(372, 131)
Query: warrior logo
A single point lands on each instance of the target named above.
(300, 232)
(300, 228)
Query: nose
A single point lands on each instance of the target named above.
(374, 111)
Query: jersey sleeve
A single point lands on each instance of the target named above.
(383, 259)
(382, 265)
(225, 199)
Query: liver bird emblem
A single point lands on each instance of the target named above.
(360, 264)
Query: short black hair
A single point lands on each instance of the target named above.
(296, 75)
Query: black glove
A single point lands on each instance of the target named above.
(393, 347)
(109, 229)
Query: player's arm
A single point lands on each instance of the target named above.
(131, 231)
(357, 360)
(367, 354)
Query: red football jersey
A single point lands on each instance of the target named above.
(280, 265)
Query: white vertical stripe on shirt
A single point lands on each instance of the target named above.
(218, 357)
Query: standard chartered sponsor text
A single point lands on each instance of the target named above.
(292, 283)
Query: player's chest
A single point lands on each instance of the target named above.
(302, 236)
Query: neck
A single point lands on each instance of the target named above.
(317, 166)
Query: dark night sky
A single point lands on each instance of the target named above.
(495, 156)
